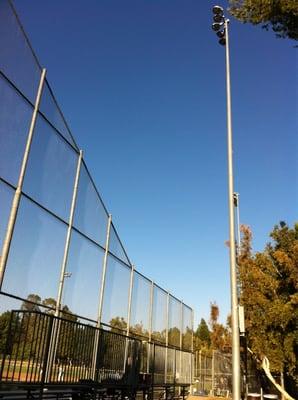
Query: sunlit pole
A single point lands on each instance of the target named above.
(237, 205)
(238, 241)
(221, 27)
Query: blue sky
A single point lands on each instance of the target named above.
(142, 86)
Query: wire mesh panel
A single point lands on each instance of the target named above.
(15, 118)
(115, 246)
(51, 111)
(115, 304)
(171, 366)
(159, 365)
(25, 75)
(140, 305)
(26, 347)
(213, 372)
(90, 216)
(222, 372)
(51, 169)
(145, 357)
(175, 321)
(185, 366)
(206, 373)
(159, 314)
(17, 60)
(187, 329)
(83, 271)
(36, 252)
(6, 196)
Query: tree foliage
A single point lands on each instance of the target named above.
(118, 324)
(218, 337)
(280, 15)
(203, 334)
(220, 334)
(269, 293)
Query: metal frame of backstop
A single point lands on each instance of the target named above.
(61, 252)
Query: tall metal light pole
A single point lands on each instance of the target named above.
(221, 27)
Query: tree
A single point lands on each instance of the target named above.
(269, 294)
(32, 303)
(220, 335)
(174, 336)
(118, 323)
(4, 327)
(50, 302)
(202, 334)
(280, 15)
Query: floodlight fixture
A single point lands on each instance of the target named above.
(222, 41)
(217, 10)
(217, 26)
(221, 34)
(218, 18)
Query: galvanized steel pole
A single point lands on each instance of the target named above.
(150, 325)
(104, 270)
(68, 236)
(181, 326)
(101, 296)
(167, 337)
(18, 192)
(213, 374)
(57, 322)
(192, 348)
(181, 342)
(151, 310)
(233, 274)
(129, 299)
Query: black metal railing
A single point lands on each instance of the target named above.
(25, 355)
(43, 349)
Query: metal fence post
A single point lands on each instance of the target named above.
(68, 236)
(181, 325)
(101, 296)
(213, 373)
(18, 192)
(192, 349)
(104, 270)
(181, 342)
(151, 311)
(129, 299)
(150, 326)
(167, 338)
(56, 323)
(192, 329)
(200, 369)
(128, 314)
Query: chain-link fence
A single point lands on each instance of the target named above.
(212, 373)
